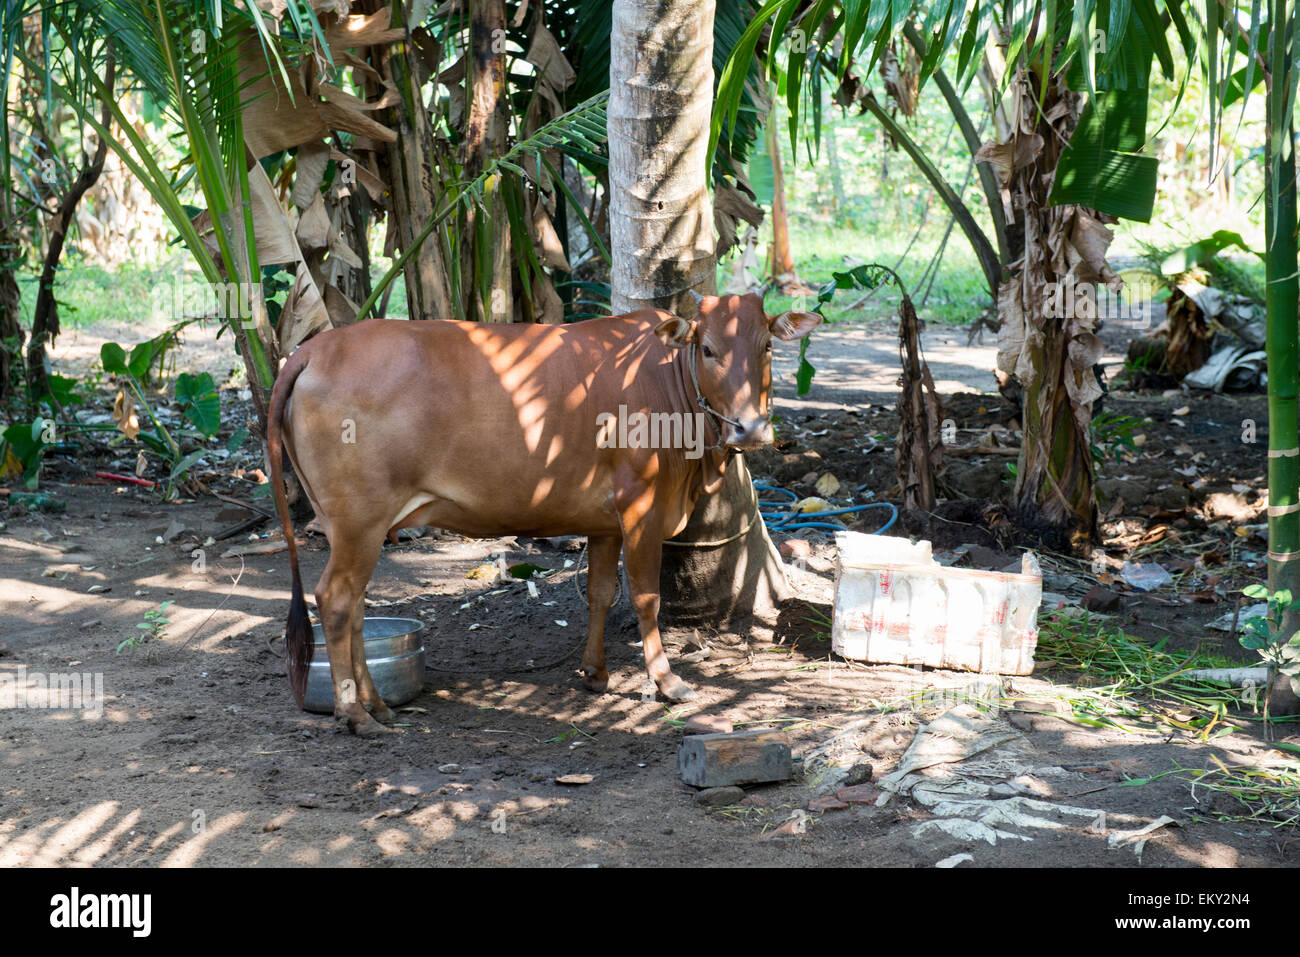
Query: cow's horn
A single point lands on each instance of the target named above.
(696, 296)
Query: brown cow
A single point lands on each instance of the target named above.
(490, 430)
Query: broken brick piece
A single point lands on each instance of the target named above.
(829, 803)
(859, 794)
(1101, 600)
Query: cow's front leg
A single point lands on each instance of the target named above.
(602, 583)
(642, 557)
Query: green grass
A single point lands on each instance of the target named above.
(823, 247)
(1263, 795)
(1119, 681)
(88, 293)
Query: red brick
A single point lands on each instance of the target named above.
(859, 794)
(829, 803)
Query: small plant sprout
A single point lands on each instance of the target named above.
(153, 628)
(1113, 435)
(1264, 634)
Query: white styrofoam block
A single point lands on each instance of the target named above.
(894, 604)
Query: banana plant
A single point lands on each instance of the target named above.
(582, 127)
(1073, 75)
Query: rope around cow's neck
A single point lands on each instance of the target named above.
(703, 403)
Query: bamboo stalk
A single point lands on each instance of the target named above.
(1282, 305)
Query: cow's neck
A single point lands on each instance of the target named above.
(713, 462)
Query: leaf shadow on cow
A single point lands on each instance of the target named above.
(610, 428)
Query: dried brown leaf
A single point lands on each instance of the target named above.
(124, 416)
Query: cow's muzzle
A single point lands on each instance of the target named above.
(750, 434)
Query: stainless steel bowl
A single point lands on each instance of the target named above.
(393, 652)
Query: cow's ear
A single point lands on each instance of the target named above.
(676, 332)
(793, 325)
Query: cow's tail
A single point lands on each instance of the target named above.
(297, 631)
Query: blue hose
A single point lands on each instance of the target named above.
(782, 516)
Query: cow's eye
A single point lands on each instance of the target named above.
(769, 345)
(708, 353)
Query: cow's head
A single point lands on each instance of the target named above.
(732, 336)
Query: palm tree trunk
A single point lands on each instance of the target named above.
(661, 230)
(661, 216)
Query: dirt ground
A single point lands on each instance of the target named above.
(200, 756)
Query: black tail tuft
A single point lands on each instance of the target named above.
(298, 642)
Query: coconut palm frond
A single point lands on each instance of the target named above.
(149, 36)
(186, 57)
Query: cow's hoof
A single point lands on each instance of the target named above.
(361, 723)
(675, 689)
(597, 683)
(370, 728)
(383, 714)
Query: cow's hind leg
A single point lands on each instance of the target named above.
(602, 583)
(366, 693)
(338, 597)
